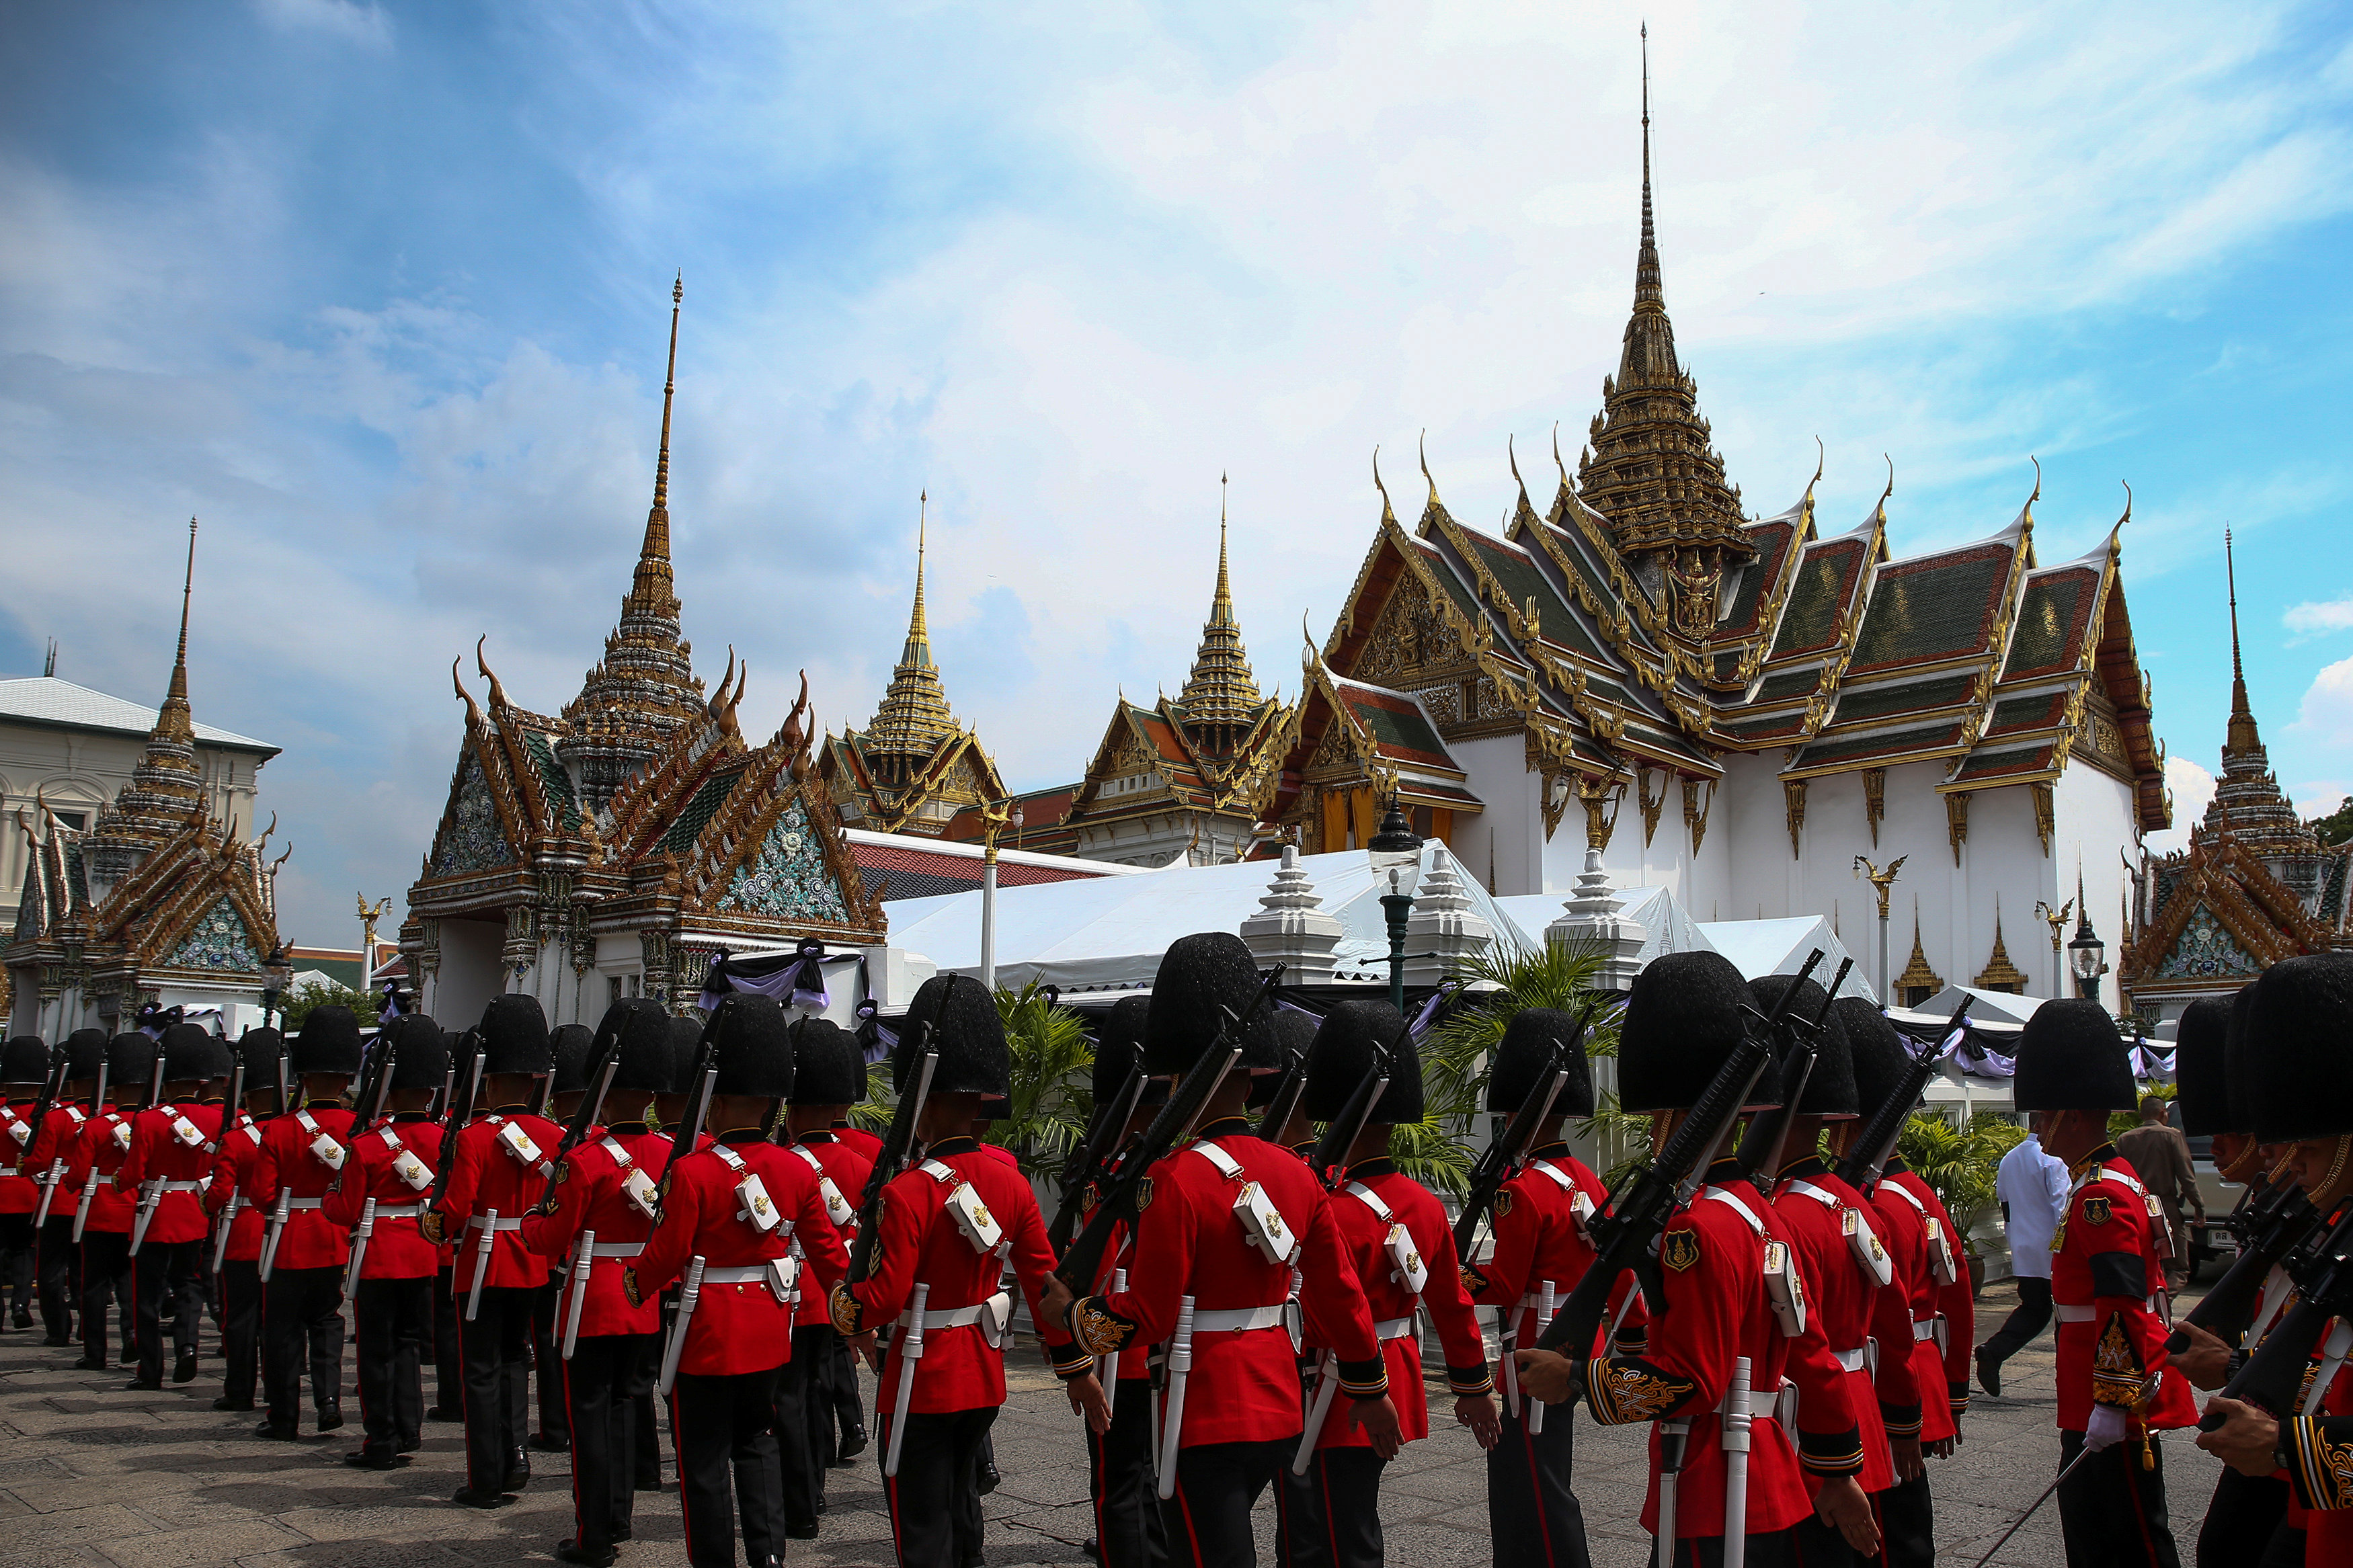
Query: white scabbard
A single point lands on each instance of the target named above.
(49, 1191)
(583, 1257)
(1107, 1366)
(1180, 1369)
(1670, 1444)
(1547, 1302)
(1506, 1342)
(2333, 1351)
(227, 1224)
(1327, 1383)
(1735, 1465)
(81, 1209)
(151, 1193)
(909, 1348)
(689, 1294)
(359, 1246)
(277, 1228)
(482, 1262)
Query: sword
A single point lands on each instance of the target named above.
(277, 1228)
(1547, 1303)
(359, 1246)
(81, 1209)
(583, 1259)
(2072, 1465)
(1180, 1369)
(227, 1224)
(481, 1261)
(910, 1346)
(1327, 1385)
(688, 1295)
(150, 1193)
(50, 1191)
(1671, 1435)
(1737, 1422)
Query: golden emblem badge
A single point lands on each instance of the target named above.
(1503, 1205)
(2095, 1211)
(1679, 1250)
(1144, 1195)
(980, 1213)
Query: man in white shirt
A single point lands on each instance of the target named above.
(2032, 1187)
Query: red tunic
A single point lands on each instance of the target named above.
(1538, 1238)
(1845, 1299)
(17, 1192)
(287, 1161)
(1907, 1382)
(53, 1141)
(1712, 1274)
(919, 1241)
(98, 1151)
(1364, 1234)
(1190, 1242)
(2105, 1275)
(847, 1169)
(1955, 1302)
(865, 1144)
(232, 1169)
(590, 1196)
(487, 1176)
(158, 1152)
(738, 1327)
(396, 1248)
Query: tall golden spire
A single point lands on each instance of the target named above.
(1221, 698)
(653, 593)
(166, 789)
(1648, 289)
(914, 716)
(2242, 735)
(173, 722)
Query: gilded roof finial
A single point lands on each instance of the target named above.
(1822, 456)
(2127, 515)
(1387, 514)
(175, 722)
(913, 717)
(1647, 288)
(2037, 478)
(1512, 456)
(1220, 688)
(656, 546)
(2242, 735)
(1422, 447)
(918, 628)
(1556, 459)
(1881, 515)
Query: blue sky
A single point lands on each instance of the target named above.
(378, 290)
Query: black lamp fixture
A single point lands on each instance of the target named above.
(277, 974)
(2087, 958)
(1395, 856)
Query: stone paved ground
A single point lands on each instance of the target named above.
(92, 1474)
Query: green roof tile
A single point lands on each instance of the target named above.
(700, 811)
(1809, 620)
(1921, 739)
(1917, 696)
(2046, 615)
(1936, 609)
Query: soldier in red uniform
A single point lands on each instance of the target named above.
(228, 1199)
(1215, 1278)
(167, 1170)
(103, 1212)
(603, 1199)
(570, 1045)
(302, 1253)
(1539, 1238)
(56, 1260)
(730, 1214)
(497, 1171)
(818, 1386)
(391, 1164)
(949, 1225)
(1396, 1237)
(1718, 1283)
(25, 1068)
(2115, 1391)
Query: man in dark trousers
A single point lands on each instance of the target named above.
(494, 1177)
(381, 1191)
(603, 1199)
(570, 1044)
(2160, 1155)
(25, 1070)
(228, 1201)
(734, 1208)
(167, 1171)
(829, 1078)
(103, 1212)
(303, 1253)
(57, 1261)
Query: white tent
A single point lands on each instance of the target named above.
(1666, 927)
(1758, 948)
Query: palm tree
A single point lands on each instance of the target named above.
(1052, 1094)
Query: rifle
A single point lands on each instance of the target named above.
(1280, 1109)
(705, 1078)
(584, 1116)
(454, 1117)
(2273, 1376)
(375, 1089)
(1091, 1159)
(232, 1108)
(1340, 1135)
(1768, 1134)
(1868, 1154)
(1504, 1156)
(1084, 1261)
(2276, 1222)
(90, 1182)
(155, 1080)
(1647, 1197)
(897, 1147)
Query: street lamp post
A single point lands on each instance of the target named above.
(1395, 856)
(992, 822)
(276, 971)
(2088, 956)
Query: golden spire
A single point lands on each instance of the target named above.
(166, 789)
(1221, 698)
(653, 593)
(2241, 736)
(1648, 291)
(173, 722)
(918, 648)
(914, 716)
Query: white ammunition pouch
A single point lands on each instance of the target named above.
(759, 1211)
(1410, 1271)
(1785, 1286)
(518, 1144)
(964, 1204)
(19, 1127)
(635, 1185)
(323, 1148)
(123, 1136)
(1863, 1243)
(1941, 1262)
(1262, 1224)
(837, 1208)
(186, 1132)
(785, 1279)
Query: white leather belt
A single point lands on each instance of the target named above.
(296, 1205)
(621, 1249)
(1390, 1328)
(952, 1317)
(183, 1186)
(756, 1274)
(480, 1222)
(1849, 1361)
(1926, 1327)
(402, 1211)
(1237, 1320)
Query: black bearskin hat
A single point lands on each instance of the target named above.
(642, 1060)
(421, 1051)
(755, 1054)
(1877, 1055)
(570, 1045)
(2242, 1068)
(26, 1059)
(2202, 1070)
(1294, 1036)
(329, 1042)
(193, 1054)
(2298, 1024)
(1201, 978)
(1830, 1088)
(1345, 1046)
(259, 1050)
(2071, 1057)
(685, 1047)
(829, 1066)
(85, 1053)
(513, 1036)
(1683, 1020)
(1527, 1045)
(964, 1028)
(1120, 1046)
(130, 1059)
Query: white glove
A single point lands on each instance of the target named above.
(2109, 1427)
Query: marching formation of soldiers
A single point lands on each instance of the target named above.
(1238, 1282)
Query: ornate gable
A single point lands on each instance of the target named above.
(218, 940)
(787, 877)
(473, 836)
(2205, 949)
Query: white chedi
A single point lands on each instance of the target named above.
(1291, 927)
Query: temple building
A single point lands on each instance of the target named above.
(914, 768)
(156, 899)
(1802, 720)
(617, 848)
(2256, 884)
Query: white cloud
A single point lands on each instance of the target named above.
(350, 20)
(2192, 787)
(2318, 618)
(2327, 710)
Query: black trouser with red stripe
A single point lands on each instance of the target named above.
(394, 1319)
(804, 1427)
(547, 1358)
(601, 1385)
(302, 1326)
(172, 1271)
(2112, 1511)
(1331, 1517)
(1533, 1517)
(1119, 1468)
(57, 1276)
(936, 1515)
(1207, 1520)
(16, 1261)
(240, 1330)
(725, 1429)
(105, 1276)
(495, 1349)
